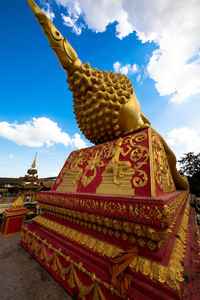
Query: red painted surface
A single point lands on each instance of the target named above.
(144, 191)
(13, 221)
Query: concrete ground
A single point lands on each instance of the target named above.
(23, 278)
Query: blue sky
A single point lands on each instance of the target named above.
(155, 43)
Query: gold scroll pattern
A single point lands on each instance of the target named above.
(144, 211)
(162, 170)
(84, 164)
(150, 213)
(33, 242)
(73, 169)
(139, 156)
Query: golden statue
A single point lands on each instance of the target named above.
(115, 165)
(105, 105)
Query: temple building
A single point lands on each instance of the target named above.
(30, 185)
(25, 187)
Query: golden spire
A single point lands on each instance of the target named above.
(34, 162)
(64, 51)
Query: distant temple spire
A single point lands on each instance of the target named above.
(34, 162)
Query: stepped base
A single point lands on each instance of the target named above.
(80, 261)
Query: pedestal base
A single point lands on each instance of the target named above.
(13, 221)
(114, 218)
(84, 270)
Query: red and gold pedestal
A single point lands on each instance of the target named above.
(13, 221)
(114, 226)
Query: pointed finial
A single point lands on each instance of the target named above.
(66, 55)
(34, 162)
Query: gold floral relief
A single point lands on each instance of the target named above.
(73, 170)
(120, 173)
(94, 163)
(162, 170)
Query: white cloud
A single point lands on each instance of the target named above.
(39, 132)
(11, 156)
(125, 69)
(173, 25)
(48, 11)
(98, 14)
(184, 140)
(138, 78)
(71, 22)
(78, 142)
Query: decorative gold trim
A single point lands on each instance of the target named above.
(19, 213)
(73, 278)
(161, 167)
(172, 273)
(149, 212)
(152, 175)
(90, 242)
(119, 229)
(98, 223)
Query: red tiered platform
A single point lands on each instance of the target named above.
(113, 200)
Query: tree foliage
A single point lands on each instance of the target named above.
(190, 166)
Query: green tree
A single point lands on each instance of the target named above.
(190, 166)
